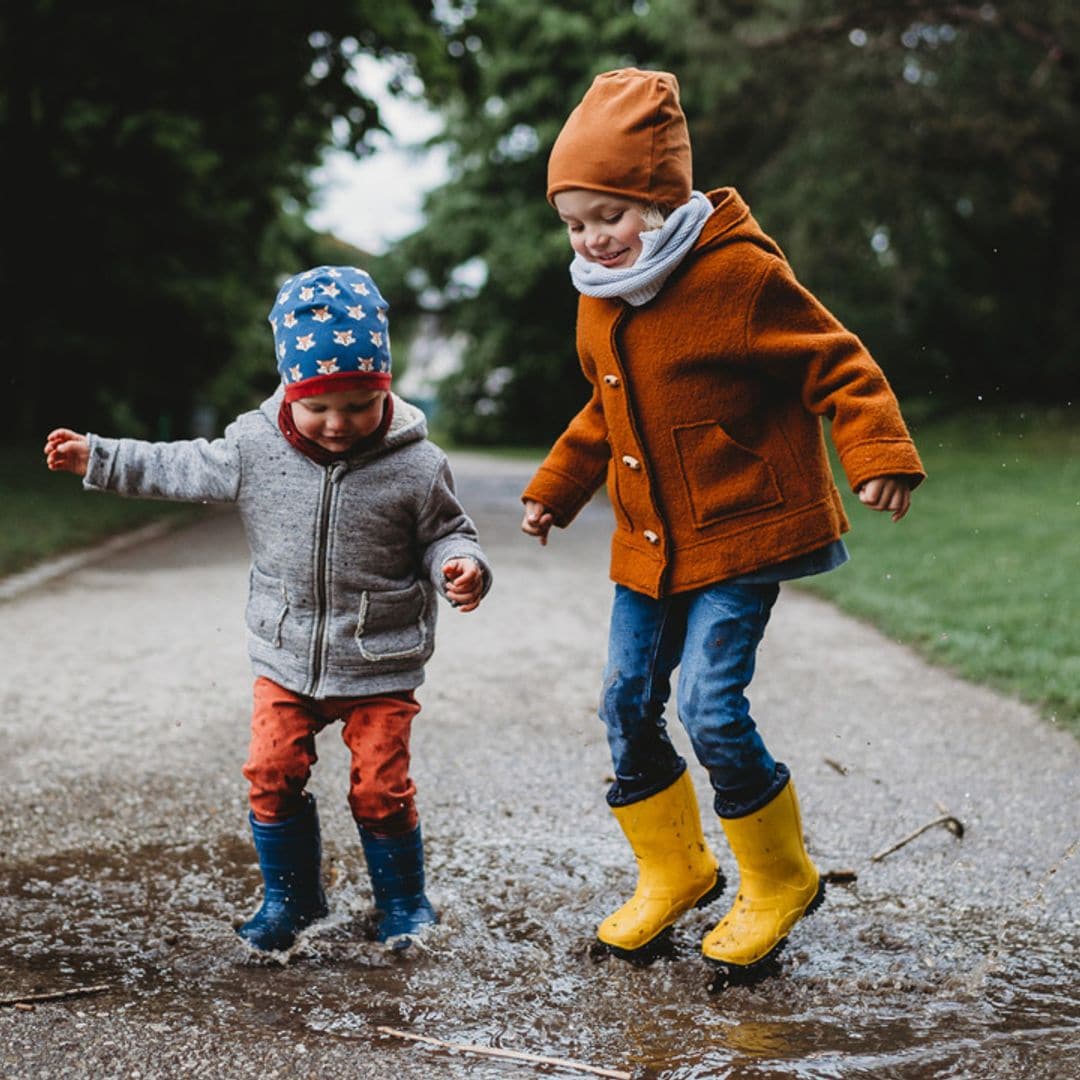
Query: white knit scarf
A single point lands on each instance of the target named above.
(661, 251)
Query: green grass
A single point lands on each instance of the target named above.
(983, 575)
(49, 514)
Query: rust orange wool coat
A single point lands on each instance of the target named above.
(705, 417)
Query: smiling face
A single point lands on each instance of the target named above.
(603, 229)
(338, 421)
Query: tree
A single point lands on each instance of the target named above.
(921, 164)
(159, 156)
(492, 256)
(918, 161)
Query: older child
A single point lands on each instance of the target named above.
(710, 369)
(354, 528)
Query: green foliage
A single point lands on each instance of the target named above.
(919, 162)
(922, 174)
(520, 67)
(158, 157)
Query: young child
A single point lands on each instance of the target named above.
(710, 369)
(354, 528)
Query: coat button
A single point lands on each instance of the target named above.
(631, 462)
(611, 380)
(651, 536)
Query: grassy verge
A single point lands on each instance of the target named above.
(982, 575)
(49, 513)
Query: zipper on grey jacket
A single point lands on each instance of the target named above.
(331, 476)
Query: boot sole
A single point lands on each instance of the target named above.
(714, 893)
(660, 945)
(768, 966)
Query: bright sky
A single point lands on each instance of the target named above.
(375, 201)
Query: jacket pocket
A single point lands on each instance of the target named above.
(268, 604)
(393, 625)
(622, 518)
(722, 478)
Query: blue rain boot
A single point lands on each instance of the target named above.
(396, 867)
(290, 857)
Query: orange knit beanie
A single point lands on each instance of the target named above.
(627, 137)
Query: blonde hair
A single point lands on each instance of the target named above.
(654, 214)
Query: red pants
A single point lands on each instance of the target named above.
(376, 731)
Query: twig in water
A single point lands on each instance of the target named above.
(953, 824)
(515, 1055)
(55, 995)
(840, 877)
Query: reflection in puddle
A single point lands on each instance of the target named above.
(871, 987)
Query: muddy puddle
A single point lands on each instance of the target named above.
(869, 987)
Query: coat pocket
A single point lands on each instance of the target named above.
(268, 604)
(622, 518)
(393, 625)
(722, 477)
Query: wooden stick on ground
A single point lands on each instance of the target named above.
(515, 1055)
(954, 825)
(55, 995)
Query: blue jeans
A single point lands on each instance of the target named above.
(712, 634)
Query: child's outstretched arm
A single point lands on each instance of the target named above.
(890, 493)
(193, 470)
(464, 583)
(537, 521)
(67, 451)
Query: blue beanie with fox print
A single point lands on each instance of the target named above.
(331, 332)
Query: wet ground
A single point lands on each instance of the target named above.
(125, 857)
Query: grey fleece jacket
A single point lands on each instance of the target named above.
(346, 558)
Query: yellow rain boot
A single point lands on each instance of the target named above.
(676, 869)
(778, 885)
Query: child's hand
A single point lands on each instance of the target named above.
(67, 451)
(537, 521)
(464, 583)
(890, 493)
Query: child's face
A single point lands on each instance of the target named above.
(338, 420)
(603, 229)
